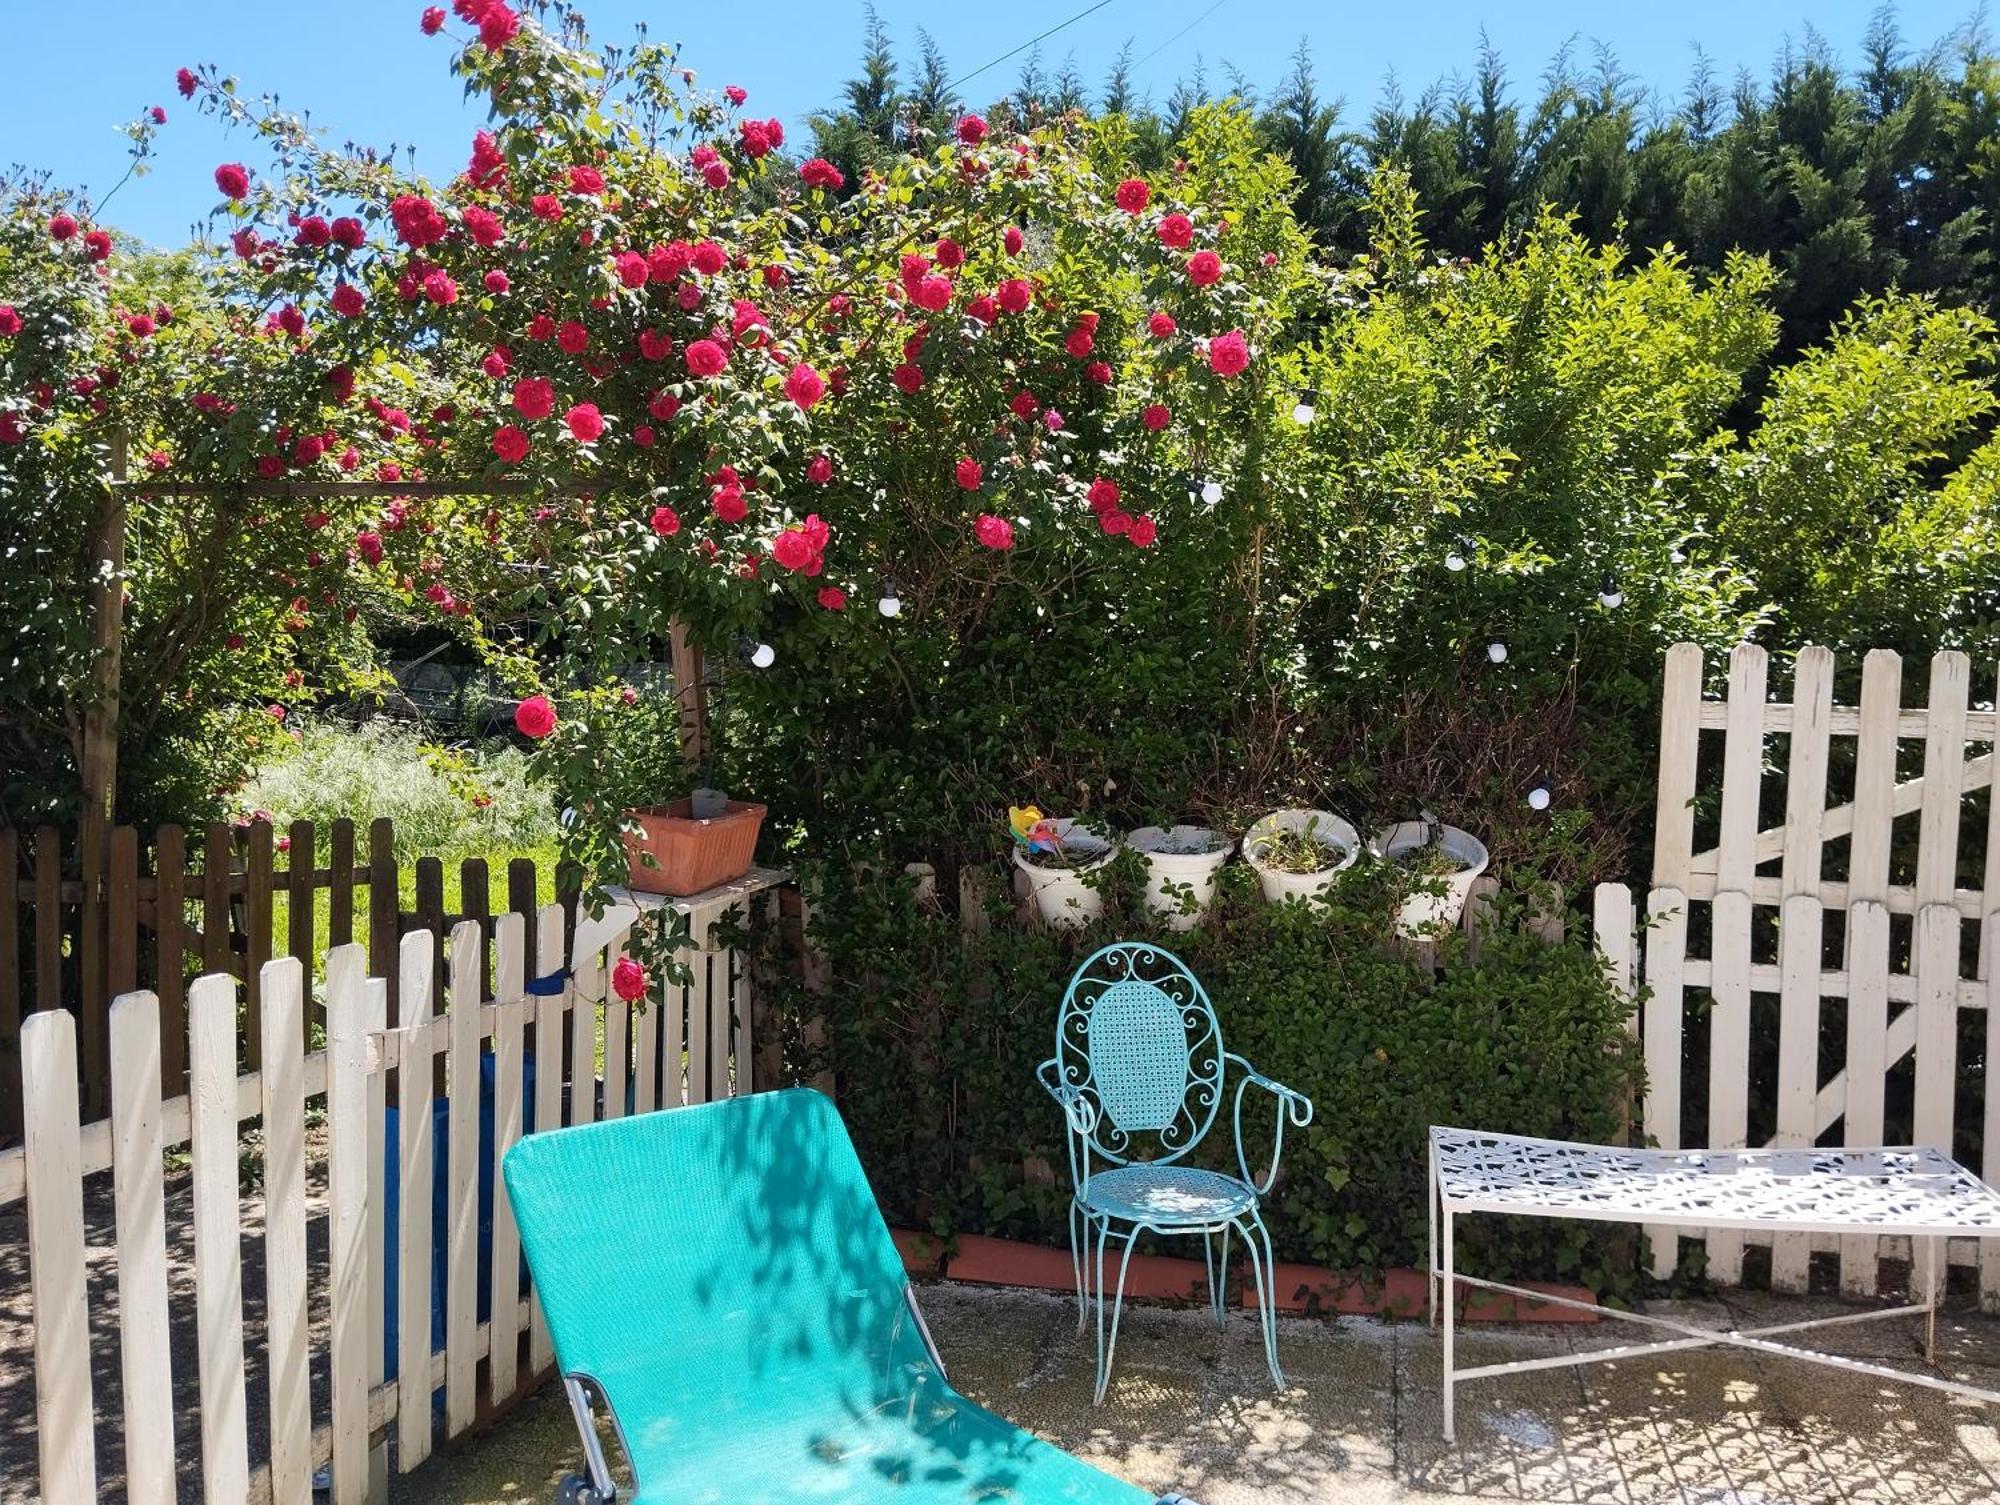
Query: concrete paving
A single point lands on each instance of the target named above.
(1192, 1409)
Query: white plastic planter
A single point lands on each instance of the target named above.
(1442, 899)
(1327, 828)
(1061, 896)
(1186, 857)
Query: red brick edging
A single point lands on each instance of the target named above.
(1305, 1289)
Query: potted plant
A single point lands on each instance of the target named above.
(1298, 853)
(1181, 863)
(1437, 864)
(1055, 854)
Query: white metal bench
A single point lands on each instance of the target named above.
(1919, 1193)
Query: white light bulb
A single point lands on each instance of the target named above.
(763, 656)
(1611, 600)
(1303, 413)
(1454, 561)
(1497, 652)
(1211, 492)
(1538, 798)
(890, 606)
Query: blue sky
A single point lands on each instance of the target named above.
(75, 73)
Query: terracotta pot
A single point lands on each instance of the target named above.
(689, 855)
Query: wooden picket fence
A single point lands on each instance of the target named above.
(1854, 929)
(696, 1044)
(206, 900)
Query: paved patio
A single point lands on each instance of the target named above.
(1192, 1409)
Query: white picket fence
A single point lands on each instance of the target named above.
(696, 1045)
(1903, 980)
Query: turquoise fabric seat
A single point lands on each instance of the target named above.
(721, 1278)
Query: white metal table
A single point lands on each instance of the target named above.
(1919, 1193)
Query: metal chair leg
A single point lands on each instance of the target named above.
(1265, 1271)
(1107, 1349)
(1079, 1246)
(1221, 1287)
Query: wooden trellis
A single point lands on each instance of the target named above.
(1903, 981)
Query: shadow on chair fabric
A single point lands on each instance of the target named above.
(721, 1279)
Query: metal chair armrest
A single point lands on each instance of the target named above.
(1293, 1107)
(1076, 1106)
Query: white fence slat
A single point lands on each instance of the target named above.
(1989, 1248)
(1666, 956)
(646, 1049)
(509, 1022)
(64, 1437)
(348, 1255)
(144, 1344)
(1875, 776)
(1728, 1055)
(1867, 1065)
(1989, 887)
(461, 1288)
(587, 990)
(417, 1152)
(617, 1039)
(287, 1335)
(726, 997)
(1680, 743)
(1944, 779)
(1936, 967)
(218, 1248)
(1611, 926)
(1799, 940)
(699, 1016)
(376, 1024)
(548, 1087)
(674, 1042)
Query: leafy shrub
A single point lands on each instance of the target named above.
(932, 1032)
(445, 802)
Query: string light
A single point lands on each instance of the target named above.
(1538, 796)
(1497, 651)
(763, 656)
(1211, 492)
(891, 604)
(1303, 412)
(1609, 596)
(1454, 559)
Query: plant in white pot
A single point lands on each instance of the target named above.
(1055, 855)
(1297, 854)
(1438, 865)
(1181, 863)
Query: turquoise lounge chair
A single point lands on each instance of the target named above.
(1140, 1074)
(720, 1280)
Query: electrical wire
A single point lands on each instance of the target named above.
(1062, 26)
(1181, 33)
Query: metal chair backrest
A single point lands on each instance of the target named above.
(1139, 1039)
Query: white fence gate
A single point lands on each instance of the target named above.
(696, 1046)
(1890, 936)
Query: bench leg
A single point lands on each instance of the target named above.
(1431, 1248)
(1934, 1280)
(1450, 1317)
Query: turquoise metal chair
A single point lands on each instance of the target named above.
(720, 1280)
(1140, 1072)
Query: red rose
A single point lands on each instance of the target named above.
(663, 406)
(1228, 354)
(1156, 416)
(1142, 532)
(735, 93)
(510, 444)
(348, 232)
(1099, 372)
(1103, 495)
(1161, 325)
(535, 717)
(586, 180)
(969, 473)
(498, 26)
(1114, 522)
(1133, 195)
(573, 337)
(705, 358)
(833, 598)
(586, 424)
(628, 980)
(1204, 268)
(418, 221)
(643, 436)
(1011, 239)
(368, 544)
(819, 469)
(1024, 404)
(439, 288)
(756, 140)
(497, 362)
(908, 377)
(157, 115)
(1176, 232)
(233, 180)
(545, 206)
(97, 245)
(804, 385)
(184, 80)
(654, 346)
(632, 268)
(971, 129)
(541, 327)
(433, 20)
(1015, 294)
(495, 282)
(313, 232)
(141, 325)
(709, 258)
(994, 532)
(1080, 342)
(534, 397)
(983, 308)
(728, 504)
(348, 300)
(820, 173)
(10, 321)
(933, 293)
(793, 550)
(666, 522)
(484, 226)
(716, 175)
(950, 253)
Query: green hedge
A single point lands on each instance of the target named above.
(932, 1033)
